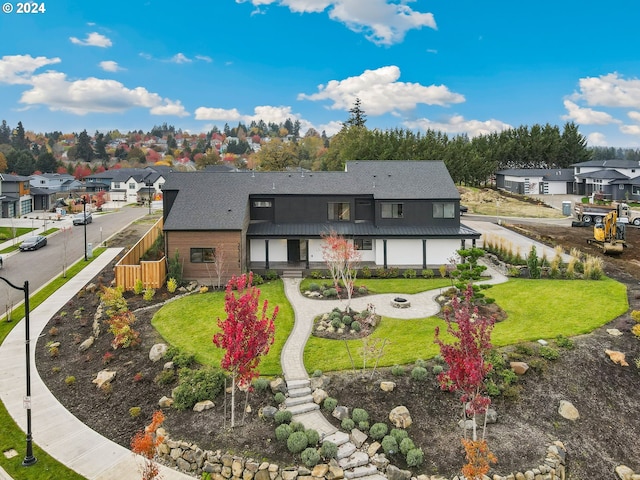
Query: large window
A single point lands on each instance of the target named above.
(444, 210)
(363, 243)
(203, 255)
(392, 210)
(635, 190)
(262, 203)
(339, 211)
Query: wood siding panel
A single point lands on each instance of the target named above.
(129, 269)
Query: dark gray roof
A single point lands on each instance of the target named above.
(549, 174)
(219, 201)
(604, 175)
(306, 230)
(123, 174)
(627, 181)
(611, 163)
(42, 191)
(7, 177)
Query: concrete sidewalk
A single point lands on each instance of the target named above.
(54, 428)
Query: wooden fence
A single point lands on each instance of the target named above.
(130, 269)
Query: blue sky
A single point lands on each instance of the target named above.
(458, 67)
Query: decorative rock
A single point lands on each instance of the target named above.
(614, 332)
(357, 437)
(262, 475)
(519, 368)
(320, 470)
(387, 386)
(394, 473)
(617, 357)
(335, 472)
(86, 344)
(103, 377)
(278, 385)
(289, 474)
(267, 412)
(204, 405)
(157, 351)
(400, 417)
(319, 396)
(568, 411)
(165, 402)
(91, 288)
(55, 345)
(624, 472)
(380, 461)
(319, 382)
(492, 415)
(248, 409)
(340, 412)
(183, 465)
(467, 424)
(237, 468)
(542, 342)
(373, 449)
(168, 366)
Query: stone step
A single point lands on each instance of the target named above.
(291, 274)
(337, 438)
(376, 476)
(303, 408)
(294, 384)
(345, 450)
(299, 392)
(358, 459)
(362, 471)
(293, 401)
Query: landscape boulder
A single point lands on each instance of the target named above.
(519, 368)
(400, 417)
(617, 357)
(103, 377)
(157, 351)
(568, 411)
(387, 386)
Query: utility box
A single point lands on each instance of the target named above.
(89, 250)
(566, 208)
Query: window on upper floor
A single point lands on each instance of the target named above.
(363, 243)
(132, 186)
(339, 211)
(392, 210)
(262, 204)
(444, 210)
(203, 255)
(116, 184)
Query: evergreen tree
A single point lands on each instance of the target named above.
(18, 140)
(101, 146)
(84, 150)
(46, 163)
(357, 117)
(5, 133)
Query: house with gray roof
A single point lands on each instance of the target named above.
(59, 182)
(615, 179)
(529, 181)
(128, 185)
(15, 195)
(401, 214)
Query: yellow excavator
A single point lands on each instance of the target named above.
(609, 234)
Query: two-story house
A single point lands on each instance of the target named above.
(614, 179)
(128, 185)
(58, 182)
(398, 214)
(15, 195)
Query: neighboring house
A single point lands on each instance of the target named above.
(398, 213)
(15, 195)
(43, 198)
(613, 179)
(59, 182)
(529, 181)
(128, 185)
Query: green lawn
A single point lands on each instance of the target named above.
(191, 322)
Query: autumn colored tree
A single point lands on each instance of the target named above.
(466, 374)
(81, 171)
(246, 334)
(342, 259)
(145, 443)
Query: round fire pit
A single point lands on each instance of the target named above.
(399, 302)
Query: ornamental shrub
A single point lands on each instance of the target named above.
(196, 386)
(421, 363)
(336, 323)
(314, 287)
(283, 431)
(313, 437)
(356, 326)
(548, 353)
(363, 290)
(134, 412)
(419, 374)
(399, 434)
(409, 273)
(330, 293)
(405, 445)
(564, 342)
(317, 373)
(397, 371)
(270, 275)
(363, 426)
(328, 450)
(347, 424)
(365, 272)
(180, 358)
(359, 415)
(310, 457)
(114, 302)
(415, 457)
(378, 430)
(389, 445)
(138, 287)
(297, 442)
(279, 398)
(261, 384)
(172, 285)
(427, 273)
(329, 404)
(347, 320)
(297, 426)
(282, 416)
(635, 315)
(636, 330)
(257, 279)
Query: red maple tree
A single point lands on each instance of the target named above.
(145, 443)
(246, 334)
(342, 259)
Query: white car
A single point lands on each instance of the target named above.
(82, 219)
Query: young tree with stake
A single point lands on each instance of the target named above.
(342, 259)
(246, 334)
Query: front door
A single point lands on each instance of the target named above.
(293, 251)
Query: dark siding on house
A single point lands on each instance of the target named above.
(417, 213)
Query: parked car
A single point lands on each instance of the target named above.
(82, 219)
(463, 209)
(33, 243)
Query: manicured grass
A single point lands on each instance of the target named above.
(536, 309)
(191, 322)
(388, 285)
(7, 232)
(11, 436)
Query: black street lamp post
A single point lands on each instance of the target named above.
(149, 187)
(84, 223)
(29, 459)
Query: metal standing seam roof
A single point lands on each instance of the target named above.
(220, 201)
(267, 229)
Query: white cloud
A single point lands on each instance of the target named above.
(383, 22)
(610, 90)
(380, 93)
(630, 129)
(204, 58)
(110, 66)
(221, 114)
(635, 116)
(458, 125)
(180, 58)
(597, 139)
(80, 97)
(18, 69)
(93, 39)
(586, 116)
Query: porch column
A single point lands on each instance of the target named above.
(306, 260)
(473, 243)
(266, 254)
(384, 251)
(424, 253)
